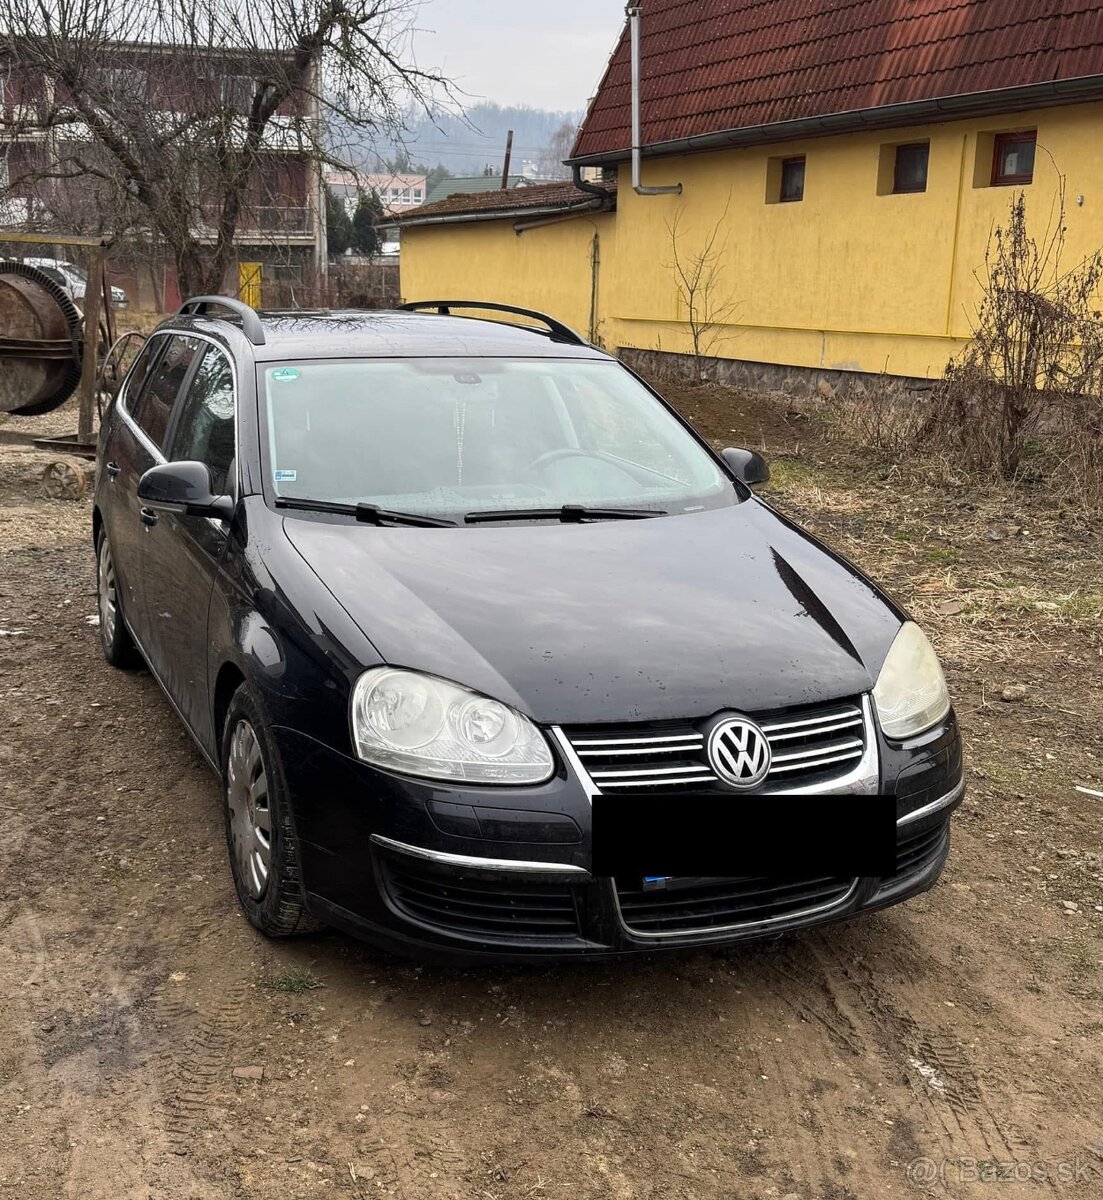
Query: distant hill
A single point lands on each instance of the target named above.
(465, 147)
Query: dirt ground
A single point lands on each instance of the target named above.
(952, 1044)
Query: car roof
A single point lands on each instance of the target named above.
(389, 333)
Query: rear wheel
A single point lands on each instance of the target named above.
(118, 646)
(259, 833)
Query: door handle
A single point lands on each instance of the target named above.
(149, 517)
(112, 469)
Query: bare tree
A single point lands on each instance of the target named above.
(550, 162)
(699, 278)
(189, 119)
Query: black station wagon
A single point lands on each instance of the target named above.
(431, 592)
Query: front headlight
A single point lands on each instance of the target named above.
(911, 693)
(420, 725)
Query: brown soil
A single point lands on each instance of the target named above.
(964, 1027)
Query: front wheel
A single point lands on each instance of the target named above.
(259, 833)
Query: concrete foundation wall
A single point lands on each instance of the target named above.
(768, 377)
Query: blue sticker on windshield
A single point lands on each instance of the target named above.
(286, 476)
(285, 374)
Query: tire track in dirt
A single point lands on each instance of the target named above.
(193, 1066)
(926, 1053)
(92, 1029)
(410, 1160)
(813, 1111)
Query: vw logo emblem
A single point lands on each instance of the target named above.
(739, 753)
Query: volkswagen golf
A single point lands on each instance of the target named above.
(493, 655)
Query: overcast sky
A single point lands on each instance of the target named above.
(544, 54)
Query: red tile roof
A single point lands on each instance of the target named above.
(507, 202)
(710, 66)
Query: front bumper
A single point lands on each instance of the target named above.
(447, 873)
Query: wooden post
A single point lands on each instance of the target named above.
(509, 156)
(93, 297)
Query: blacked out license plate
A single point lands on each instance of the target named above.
(657, 837)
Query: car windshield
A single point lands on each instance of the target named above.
(454, 437)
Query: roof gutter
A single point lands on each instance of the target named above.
(915, 112)
(637, 136)
(500, 214)
(584, 185)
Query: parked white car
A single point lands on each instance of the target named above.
(76, 279)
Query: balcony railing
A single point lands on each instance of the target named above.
(268, 220)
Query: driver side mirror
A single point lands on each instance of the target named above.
(185, 488)
(748, 466)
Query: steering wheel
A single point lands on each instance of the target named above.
(551, 456)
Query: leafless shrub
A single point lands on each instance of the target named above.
(1024, 399)
(878, 416)
(1030, 382)
(699, 279)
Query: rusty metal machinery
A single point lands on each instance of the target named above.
(41, 341)
(40, 345)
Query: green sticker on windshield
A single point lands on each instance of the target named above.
(285, 374)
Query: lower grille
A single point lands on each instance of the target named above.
(917, 851)
(517, 909)
(701, 905)
(810, 747)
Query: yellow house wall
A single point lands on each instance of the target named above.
(847, 279)
(548, 268)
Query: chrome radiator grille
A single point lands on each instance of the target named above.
(809, 747)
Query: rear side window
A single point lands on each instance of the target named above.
(140, 371)
(205, 430)
(153, 407)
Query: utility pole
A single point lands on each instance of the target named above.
(509, 155)
(318, 187)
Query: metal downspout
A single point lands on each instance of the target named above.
(637, 138)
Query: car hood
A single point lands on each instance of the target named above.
(613, 621)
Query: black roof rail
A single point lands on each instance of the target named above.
(250, 322)
(559, 331)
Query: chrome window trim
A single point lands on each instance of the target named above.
(128, 416)
(513, 866)
(140, 433)
(802, 914)
(950, 798)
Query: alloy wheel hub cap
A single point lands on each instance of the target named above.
(107, 596)
(249, 809)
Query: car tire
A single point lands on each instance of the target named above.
(260, 835)
(115, 640)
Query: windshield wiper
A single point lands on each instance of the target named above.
(367, 514)
(569, 514)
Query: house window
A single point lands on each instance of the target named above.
(236, 93)
(792, 179)
(419, 195)
(1013, 160)
(910, 168)
(125, 82)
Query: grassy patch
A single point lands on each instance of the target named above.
(787, 473)
(293, 982)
